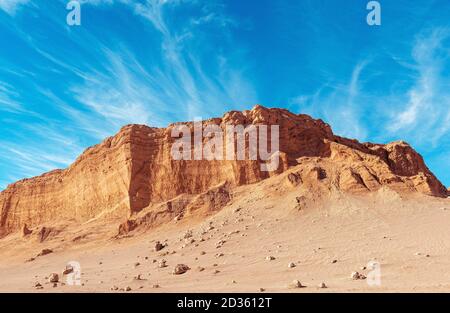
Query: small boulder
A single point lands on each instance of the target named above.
(162, 264)
(159, 246)
(322, 285)
(68, 270)
(296, 284)
(357, 276)
(180, 269)
(53, 278)
(26, 231)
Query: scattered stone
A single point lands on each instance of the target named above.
(233, 282)
(334, 261)
(202, 253)
(357, 276)
(296, 284)
(218, 255)
(38, 285)
(270, 258)
(323, 285)
(180, 269)
(155, 286)
(291, 265)
(114, 288)
(45, 252)
(188, 234)
(162, 264)
(178, 217)
(68, 270)
(26, 231)
(128, 288)
(139, 277)
(159, 246)
(237, 210)
(45, 232)
(137, 264)
(216, 271)
(200, 269)
(53, 278)
(220, 243)
(262, 289)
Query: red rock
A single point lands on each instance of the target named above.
(133, 171)
(26, 231)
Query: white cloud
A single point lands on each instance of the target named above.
(121, 86)
(425, 116)
(11, 6)
(338, 104)
(177, 88)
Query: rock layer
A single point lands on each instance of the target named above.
(134, 170)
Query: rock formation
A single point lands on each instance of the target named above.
(134, 170)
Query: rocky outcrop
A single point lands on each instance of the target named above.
(134, 170)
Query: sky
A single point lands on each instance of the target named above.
(64, 88)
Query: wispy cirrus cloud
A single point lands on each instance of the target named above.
(425, 115)
(179, 87)
(339, 104)
(118, 84)
(11, 6)
(419, 113)
(8, 100)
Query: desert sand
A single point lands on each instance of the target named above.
(334, 206)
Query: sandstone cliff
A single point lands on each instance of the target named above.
(134, 170)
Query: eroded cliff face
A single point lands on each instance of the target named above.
(96, 184)
(135, 169)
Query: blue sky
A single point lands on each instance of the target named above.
(65, 88)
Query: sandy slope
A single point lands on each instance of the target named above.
(353, 230)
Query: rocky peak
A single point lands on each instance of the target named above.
(134, 169)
